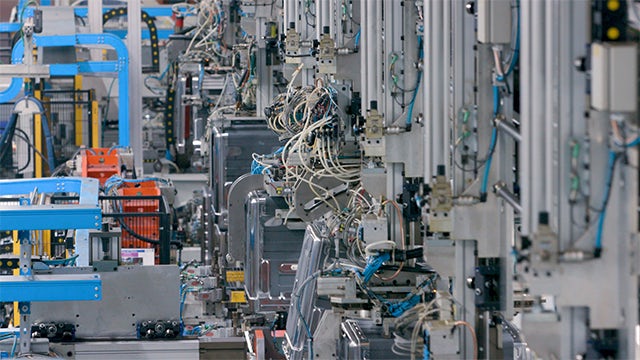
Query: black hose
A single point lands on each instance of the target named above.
(176, 243)
(24, 137)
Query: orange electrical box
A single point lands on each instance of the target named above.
(100, 163)
(147, 223)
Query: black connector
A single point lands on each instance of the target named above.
(37, 21)
(404, 255)
(597, 253)
(543, 218)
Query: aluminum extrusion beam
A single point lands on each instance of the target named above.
(134, 45)
(22, 70)
(95, 25)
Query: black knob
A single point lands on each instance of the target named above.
(470, 6)
(580, 63)
(471, 282)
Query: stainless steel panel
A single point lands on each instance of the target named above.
(310, 263)
(237, 229)
(156, 350)
(352, 343)
(271, 254)
(130, 295)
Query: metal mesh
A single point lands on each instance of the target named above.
(145, 221)
(63, 107)
(5, 48)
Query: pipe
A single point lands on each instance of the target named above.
(364, 35)
(330, 19)
(134, 45)
(538, 107)
(371, 52)
(427, 88)
(508, 129)
(526, 116)
(119, 66)
(502, 192)
(437, 85)
(289, 15)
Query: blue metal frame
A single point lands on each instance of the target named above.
(163, 34)
(155, 11)
(87, 189)
(160, 11)
(46, 217)
(86, 215)
(9, 27)
(120, 66)
(51, 288)
(23, 217)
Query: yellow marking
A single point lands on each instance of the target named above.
(238, 297)
(77, 85)
(37, 140)
(95, 125)
(613, 33)
(613, 5)
(236, 275)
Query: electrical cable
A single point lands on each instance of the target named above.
(501, 76)
(516, 48)
(25, 138)
(45, 129)
(409, 119)
(613, 157)
(487, 167)
(14, 346)
(473, 336)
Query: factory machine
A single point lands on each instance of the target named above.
(320, 179)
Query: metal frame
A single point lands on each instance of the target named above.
(119, 66)
(26, 287)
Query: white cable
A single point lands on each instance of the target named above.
(375, 248)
